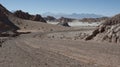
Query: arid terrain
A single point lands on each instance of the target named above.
(39, 44)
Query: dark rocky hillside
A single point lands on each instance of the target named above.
(5, 23)
(27, 16)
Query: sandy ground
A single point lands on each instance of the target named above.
(59, 47)
(77, 24)
(29, 51)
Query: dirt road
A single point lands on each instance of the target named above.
(29, 51)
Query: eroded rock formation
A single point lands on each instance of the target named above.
(108, 31)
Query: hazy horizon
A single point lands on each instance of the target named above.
(100, 7)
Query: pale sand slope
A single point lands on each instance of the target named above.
(27, 25)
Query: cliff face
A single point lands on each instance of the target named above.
(108, 31)
(27, 16)
(5, 23)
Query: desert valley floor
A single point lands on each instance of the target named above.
(56, 49)
(29, 41)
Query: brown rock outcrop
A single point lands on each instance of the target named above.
(108, 31)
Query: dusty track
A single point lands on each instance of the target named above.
(88, 52)
(19, 53)
(29, 51)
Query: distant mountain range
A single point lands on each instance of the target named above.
(73, 15)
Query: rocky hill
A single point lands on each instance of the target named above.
(64, 21)
(10, 24)
(108, 31)
(27, 16)
(50, 18)
(5, 23)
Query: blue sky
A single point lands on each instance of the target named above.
(102, 7)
